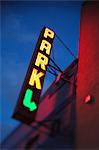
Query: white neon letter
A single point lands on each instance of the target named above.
(49, 33)
(45, 45)
(41, 60)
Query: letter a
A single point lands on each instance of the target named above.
(45, 45)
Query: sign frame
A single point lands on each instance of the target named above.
(33, 83)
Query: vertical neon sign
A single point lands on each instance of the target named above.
(28, 101)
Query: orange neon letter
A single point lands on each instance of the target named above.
(49, 33)
(35, 78)
(41, 60)
(45, 45)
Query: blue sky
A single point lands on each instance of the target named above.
(21, 23)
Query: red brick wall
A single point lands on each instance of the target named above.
(87, 127)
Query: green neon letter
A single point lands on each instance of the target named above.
(27, 100)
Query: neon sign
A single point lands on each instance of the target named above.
(28, 101)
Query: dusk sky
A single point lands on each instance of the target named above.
(21, 23)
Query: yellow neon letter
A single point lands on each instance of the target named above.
(45, 45)
(35, 78)
(49, 33)
(41, 60)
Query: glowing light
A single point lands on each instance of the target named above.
(27, 100)
(48, 33)
(35, 78)
(42, 61)
(45, 45)
(88, 99)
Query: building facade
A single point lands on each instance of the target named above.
(87, 129)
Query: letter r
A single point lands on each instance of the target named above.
(41, 60)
